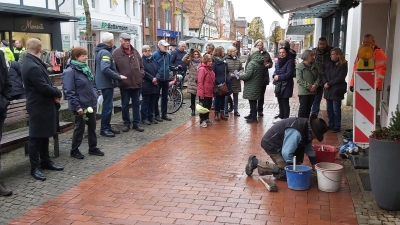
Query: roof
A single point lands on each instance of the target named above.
(318, 11)
(288, 6)
(51, 14)
(300, 29)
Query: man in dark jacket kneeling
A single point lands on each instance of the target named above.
(284, 140)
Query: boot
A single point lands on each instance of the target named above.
(4, 191)
(230, 104)
(223, 117)
(265, 168)
(216, 116)
(280, 164)
(193, 112)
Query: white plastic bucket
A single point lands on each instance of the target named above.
(329, 176)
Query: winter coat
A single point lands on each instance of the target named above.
(306, 78)
(40, 94)
(80, 92)
(150, 72)
(106, 71)
(335, 76)
(268, 59)
(220, 69)
(177, 59)
(253, 77)
(5, 86)
(322, 58)
(285, 73)
(17, 84)
(162, 59)
(130, 66)
(192, 78)
(205, 81)
(234, 64)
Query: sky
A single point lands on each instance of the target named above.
(254, 8)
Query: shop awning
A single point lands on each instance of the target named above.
(300, 29)
(318, 11)
(54, 15)
(288, 6)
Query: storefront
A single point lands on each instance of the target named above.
(169, 35)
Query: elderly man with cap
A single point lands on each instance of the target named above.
(129, 62)
(162, 58)
(284, 140)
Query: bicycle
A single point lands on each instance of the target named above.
(175, 95)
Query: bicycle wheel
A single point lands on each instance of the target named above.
(175, 100)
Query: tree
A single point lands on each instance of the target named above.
(275, 35)
(256, 29)
(208, 9)
(88, 21)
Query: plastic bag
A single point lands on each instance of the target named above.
(99, 104)
(200, 109)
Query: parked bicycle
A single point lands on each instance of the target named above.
(175, 95)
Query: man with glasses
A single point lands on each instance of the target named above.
(177, 56)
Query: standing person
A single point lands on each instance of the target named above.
(322, 57)
(335, 87)
(81, 93)
(283, 80)
(380, 66)
(44, 57)
(129, 62)
(253, 82)
(292, 53)
(234, 64)
(162, 57)
(308, 81)
(17, 83)
(106, 79)
(149, 86)
(205, 88)
(221, 71)
(5, 98)
(192, 60)
(42, 104)
(177, 58)
(19, 48)
(209, 49)
(5, 46)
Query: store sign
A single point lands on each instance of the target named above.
(111, 26)
(168, 33)
(66, 42)
(31, 25)
(108, 26)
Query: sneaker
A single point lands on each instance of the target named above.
(250, 167)
(166, 118)
(96, 151)
(236, 114)
(226, 114)
(146, 122)
(115, 131)
(252, 120)
(125, 128)
(158, 119)
(107, 133)
(77, 154)
(204, 124)
(138, 128)
(153, 121)
(4, 191)
(208, 121)
(276, 120)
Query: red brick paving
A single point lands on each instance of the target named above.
(194, 175)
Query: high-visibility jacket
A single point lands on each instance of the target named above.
(379, 58)
(8, 54)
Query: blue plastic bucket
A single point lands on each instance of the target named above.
(299, 179)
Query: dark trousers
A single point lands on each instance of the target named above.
(147, 109)
(334, 110)
(2, 119)
(38, 151)
(126, 96)
(260, 105)
(106, 113)
(79, 130)
(253, 108)
(207, 102)
(317, 101)
(284, 108)
(193, 101)
(163, 86)
(219, 104)
(306, 102)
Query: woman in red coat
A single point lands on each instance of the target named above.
(205, 87)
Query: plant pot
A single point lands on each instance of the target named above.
(384, 170)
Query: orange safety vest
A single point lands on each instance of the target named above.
(379, 58)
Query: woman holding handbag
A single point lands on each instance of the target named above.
(205, 87)
(283, 81)
(192, 60)
(222, 82)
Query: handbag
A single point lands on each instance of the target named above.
(223, 88)
(280, 87)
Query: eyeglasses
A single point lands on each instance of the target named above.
(147, 50)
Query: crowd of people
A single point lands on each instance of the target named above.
(212, 78)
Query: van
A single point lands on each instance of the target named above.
(224, 43)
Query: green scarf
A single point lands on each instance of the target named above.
(84, 67)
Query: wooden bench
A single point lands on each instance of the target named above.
(18, 115)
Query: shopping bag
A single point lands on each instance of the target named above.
(200, 109)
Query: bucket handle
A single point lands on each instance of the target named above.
(328, 177)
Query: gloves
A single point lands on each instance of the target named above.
(351, 89)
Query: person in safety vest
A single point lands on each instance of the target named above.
(19, 48)
(5, 45)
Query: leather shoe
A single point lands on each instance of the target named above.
(4, 191)
(96, 151)
(261, 114)
(166, 118)
(158, 119)
(77, 154)
(37, 174)
(107, 133)
(125, 128)
(138, 128)
(51, 166)
(115, 131)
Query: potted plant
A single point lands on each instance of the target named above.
(384, 164)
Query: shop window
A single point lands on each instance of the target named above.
(44, 38)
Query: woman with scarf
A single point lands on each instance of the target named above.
(335, 86)
(205, 87)
(234, 64)
(222, 76)
(80, 91)
(192, 60)
(283, 81)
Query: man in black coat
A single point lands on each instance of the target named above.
(5, 97)
(42, 104)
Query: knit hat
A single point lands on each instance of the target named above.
(5, 43)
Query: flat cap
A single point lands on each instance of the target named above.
(125, 36)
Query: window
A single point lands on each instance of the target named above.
(146, 12)
(93, 4)
(126, 7)
(134, 8)
(79, 2)
(158, 14)
(167, 17)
